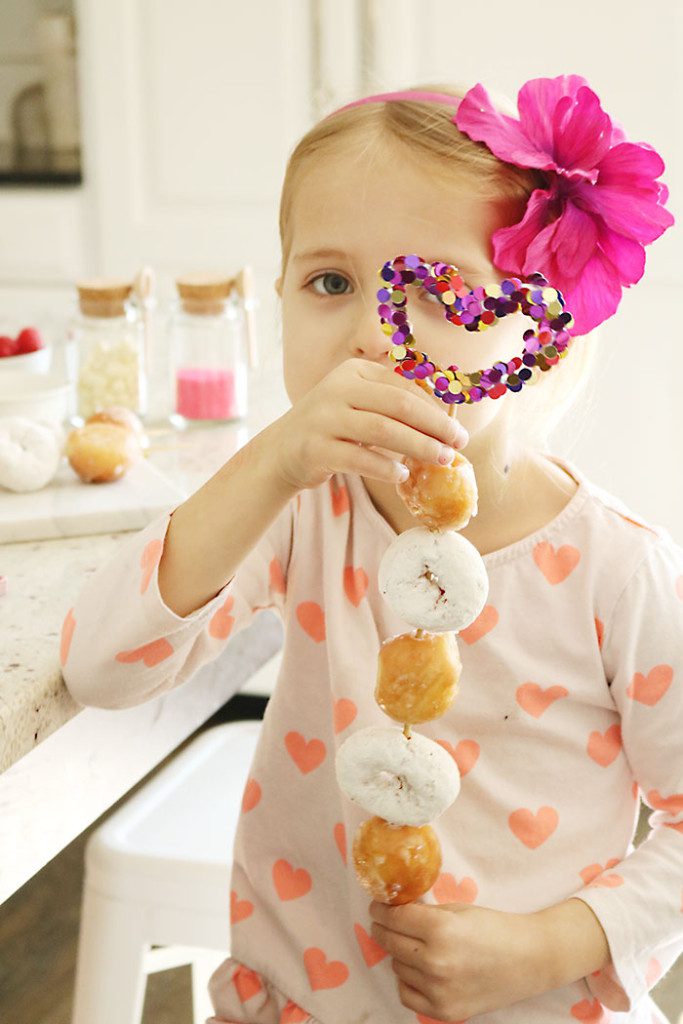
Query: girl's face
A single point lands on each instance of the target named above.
(350, 215)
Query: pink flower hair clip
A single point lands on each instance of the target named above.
(586, 232)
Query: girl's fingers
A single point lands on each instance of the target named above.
(412, 406)
(349, 457)
(383, 374)
(374, 428)
(387, 452)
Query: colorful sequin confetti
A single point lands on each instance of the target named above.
(475, 310)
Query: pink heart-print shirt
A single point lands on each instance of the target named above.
(569, 711)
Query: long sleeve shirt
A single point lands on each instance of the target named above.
(569, 712)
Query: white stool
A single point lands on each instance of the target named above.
(157, 872)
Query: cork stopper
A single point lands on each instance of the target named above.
(204, 294)
(103, 297)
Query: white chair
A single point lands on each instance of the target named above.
(157, 873)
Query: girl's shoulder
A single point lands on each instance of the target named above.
(622, 535)
(611, 555)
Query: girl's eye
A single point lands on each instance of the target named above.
(336, 282)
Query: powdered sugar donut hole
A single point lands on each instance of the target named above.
(405, 781)
(434, 580)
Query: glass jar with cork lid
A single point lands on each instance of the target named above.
(107, 340)
(211, 342)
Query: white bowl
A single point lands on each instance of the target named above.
(40, 396)
(31, 362)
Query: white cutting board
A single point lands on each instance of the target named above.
(69, 508)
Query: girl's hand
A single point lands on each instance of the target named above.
(356, 405)
(455, 960)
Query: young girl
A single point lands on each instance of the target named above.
(570, 706)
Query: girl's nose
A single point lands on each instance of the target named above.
(367, 340)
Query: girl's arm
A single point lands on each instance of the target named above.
(164, 606)
(133, 633)
(638, 901)
(211, 533)
(571, 943)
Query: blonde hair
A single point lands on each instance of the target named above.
(426, 130)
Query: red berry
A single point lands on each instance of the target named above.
(29, 340)
(8, 346)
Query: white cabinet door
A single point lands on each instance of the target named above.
(189, 110)
(189, 113)
(41, 235)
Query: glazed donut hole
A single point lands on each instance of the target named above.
(102, 452)
(417, 676)
(441, 497)
(396, 863)
(122, 417)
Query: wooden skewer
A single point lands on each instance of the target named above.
(144, 288)
(420, 632)
(246, 289)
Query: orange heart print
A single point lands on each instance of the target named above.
(556, 564)
(324, 973)
(149, 559)
(150, 654)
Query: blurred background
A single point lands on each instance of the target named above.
(156, 132)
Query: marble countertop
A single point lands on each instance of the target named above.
(44, 577)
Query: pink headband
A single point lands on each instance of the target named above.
(402, 94)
